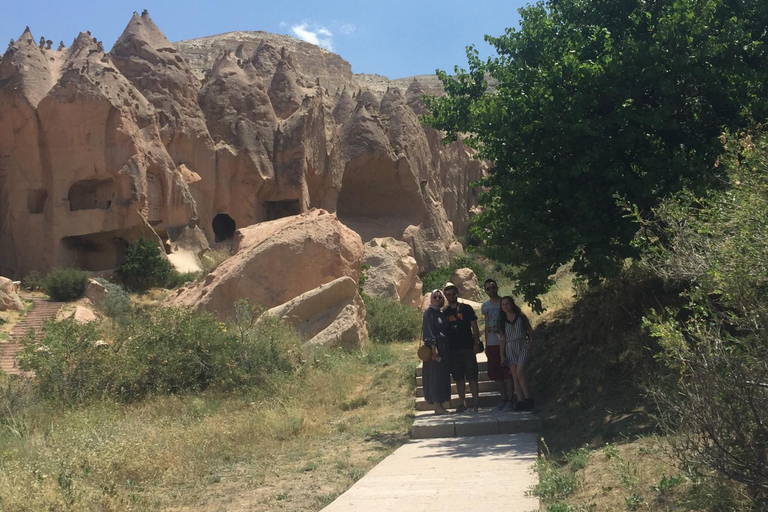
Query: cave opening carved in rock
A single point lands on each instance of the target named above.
(223, 227)
(91, 195)
(280, 209)
(95, 251)
(377, 201)
(36, 199)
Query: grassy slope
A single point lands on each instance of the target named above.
(294, 446)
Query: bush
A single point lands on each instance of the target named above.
(176, 279)
(33, 282)
(159, 351)
(389, 321)
(714, 400)
(144, 266)
(65, 284)
(117, 303)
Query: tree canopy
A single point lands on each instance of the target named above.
(595, 105)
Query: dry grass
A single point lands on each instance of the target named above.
(291, 446)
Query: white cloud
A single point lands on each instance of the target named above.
(320, 36)
(346, 28)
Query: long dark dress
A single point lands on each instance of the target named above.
(436, 375)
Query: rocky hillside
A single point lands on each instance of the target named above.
(187, 142)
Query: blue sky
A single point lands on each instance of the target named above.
(396, 38)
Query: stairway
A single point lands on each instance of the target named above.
(40, 311)
(487, 421)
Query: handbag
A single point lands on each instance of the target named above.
(482, 347)
(424, 353)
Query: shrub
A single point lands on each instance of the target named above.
(159, 351)
(144, 266)
(33, 282)
(214, 258)
(68, 362)
(65, 284)
(117, 303)
(389, 321)
(176, 279)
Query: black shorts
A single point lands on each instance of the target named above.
(463, 365)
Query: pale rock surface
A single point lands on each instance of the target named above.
(96, 293)
(393, 272)
(217, 134)
(273, 262)
(84, 315)
(9, 299)
(466, 280)
(332, 314)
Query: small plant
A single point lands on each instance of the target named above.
(555, 481)
(668, 483)
(144, 266)
(611, 452)
(65, 284)
(633, 502)
(389, 321)
(176, 279)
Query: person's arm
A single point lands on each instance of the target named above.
(429, 333)
(528, 332)
(476, 335)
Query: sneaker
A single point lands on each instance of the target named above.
(460, 409)
(509, 406)
(501, 405)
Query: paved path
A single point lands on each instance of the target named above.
(467, 474)
(40, 311)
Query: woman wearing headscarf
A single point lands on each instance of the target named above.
(436, 371)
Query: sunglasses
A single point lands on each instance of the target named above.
(493, 287)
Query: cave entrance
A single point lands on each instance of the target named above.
(223, 227)
(91, 195)
(94, 252)
(280, 209)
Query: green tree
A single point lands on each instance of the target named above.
(595, 103)
(144, 266)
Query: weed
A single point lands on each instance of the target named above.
(560, 506)
(611, 452)
(555, 481)
(633, 502)
(668, 483)
(578, 459)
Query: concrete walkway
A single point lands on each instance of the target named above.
(465, 474)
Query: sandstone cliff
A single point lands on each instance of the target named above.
(214, 134)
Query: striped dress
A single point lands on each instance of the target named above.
(516, 335)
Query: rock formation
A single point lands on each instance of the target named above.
(331, 314)
(466, 281)
(393, 272)
(275, 261)
(209, 136)
(9, 298)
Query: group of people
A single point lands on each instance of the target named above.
(453, 337)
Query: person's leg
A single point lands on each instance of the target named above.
(516, 382)
(461, 389)
(521, 379)
(473, 387)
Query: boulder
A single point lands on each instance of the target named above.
(332, 314)
(393, 272)
(84, 315)
(466, 280)
(275, 261)
(96, 293)
(9, 299)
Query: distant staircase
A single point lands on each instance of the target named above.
(486, 422)
(40, 311)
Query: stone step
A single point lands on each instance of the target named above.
(481, 377)
(429, 425)
(484, 386)
(486, 399)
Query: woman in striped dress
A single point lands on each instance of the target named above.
(516, 347)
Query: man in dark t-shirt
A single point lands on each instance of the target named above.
(464, 342)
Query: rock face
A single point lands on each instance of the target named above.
(9, 299)
(273, 262)
(393, 272)
(211, 135)
(466, 280)
(332, 314)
